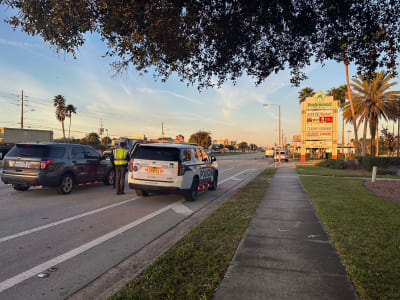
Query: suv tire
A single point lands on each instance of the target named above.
(142, 193)
(109, 180)
(193, 193)
(214, 183)
(66, 184)
(21, 187)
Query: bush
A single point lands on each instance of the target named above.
(386, 172)
(333, 164)
(367, 162)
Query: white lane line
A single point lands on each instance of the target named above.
(182, 209)
(234, 176)
(223, 171)
(22, 233)
(6, 284)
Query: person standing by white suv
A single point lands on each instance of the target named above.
(120, 158)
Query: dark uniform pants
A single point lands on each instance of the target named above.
(120, 178)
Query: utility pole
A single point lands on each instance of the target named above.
(22, 109)
(101, 129)
(162, 132)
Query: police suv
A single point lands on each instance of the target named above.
(175, 167)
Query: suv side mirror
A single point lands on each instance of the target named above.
(213, 159)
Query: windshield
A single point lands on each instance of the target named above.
(156, 153)
(37, 151)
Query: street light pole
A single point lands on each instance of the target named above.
(279, 145)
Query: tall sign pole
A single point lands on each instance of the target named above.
(303, 132)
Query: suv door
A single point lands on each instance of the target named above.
(206, 172)
(93, 162)
(79, 162)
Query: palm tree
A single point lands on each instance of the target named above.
(373, 101)
(353, 118)
(70, 109)
(340, 94)
(59, 104)
(304, 93)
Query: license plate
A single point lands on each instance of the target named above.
(19, 164)
(154, 170)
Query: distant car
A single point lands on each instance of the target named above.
(181, 168)
(54, 165)
(269, 153)
(283, 156)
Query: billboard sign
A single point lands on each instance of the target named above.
(319, 123)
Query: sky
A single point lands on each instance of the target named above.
(133, 104)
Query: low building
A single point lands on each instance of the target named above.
(17, 135)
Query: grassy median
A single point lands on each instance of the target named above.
(195, 266)
(322, 171)
(365, 230)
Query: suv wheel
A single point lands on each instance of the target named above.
(193, 193)
(142, 193)
(214, 184)
(21, 187)
(109, 180)
(66, 184)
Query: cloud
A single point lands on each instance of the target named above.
(187, 116)
(126, 89)
(154, 91)
(231, 98)
(18, 44)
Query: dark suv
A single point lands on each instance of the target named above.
(54, 165)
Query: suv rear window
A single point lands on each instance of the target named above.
(38, 151)
(156, 153)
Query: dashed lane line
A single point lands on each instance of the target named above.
(234, 176)
(74, 252)
(22, 233)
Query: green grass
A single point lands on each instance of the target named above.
(229, 153)
(322, 171)
(194, 267)
(365, 230)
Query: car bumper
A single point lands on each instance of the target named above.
(39, 179)
(152, 187)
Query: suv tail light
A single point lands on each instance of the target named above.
(181, 169)
(131, 165)
(45, 163)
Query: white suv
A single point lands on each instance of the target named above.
(173, 167)
(284, 156)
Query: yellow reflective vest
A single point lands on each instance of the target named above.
(120, 156)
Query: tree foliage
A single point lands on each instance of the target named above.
(91, 139)
(105, 141)
(59, 104)
(201, 138)
(339, 93)
(243, 146)
(208, 42)
(373, 100)
(304, 93)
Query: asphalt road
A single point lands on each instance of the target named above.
(72, 240)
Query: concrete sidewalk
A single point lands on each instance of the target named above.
(285, 252)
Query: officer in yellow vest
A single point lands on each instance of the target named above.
(120, 158)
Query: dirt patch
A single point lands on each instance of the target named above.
(384, 188)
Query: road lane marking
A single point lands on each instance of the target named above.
(234, 176)
(223, 171)
(22, 233)
(6, 284)
(182, 209)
